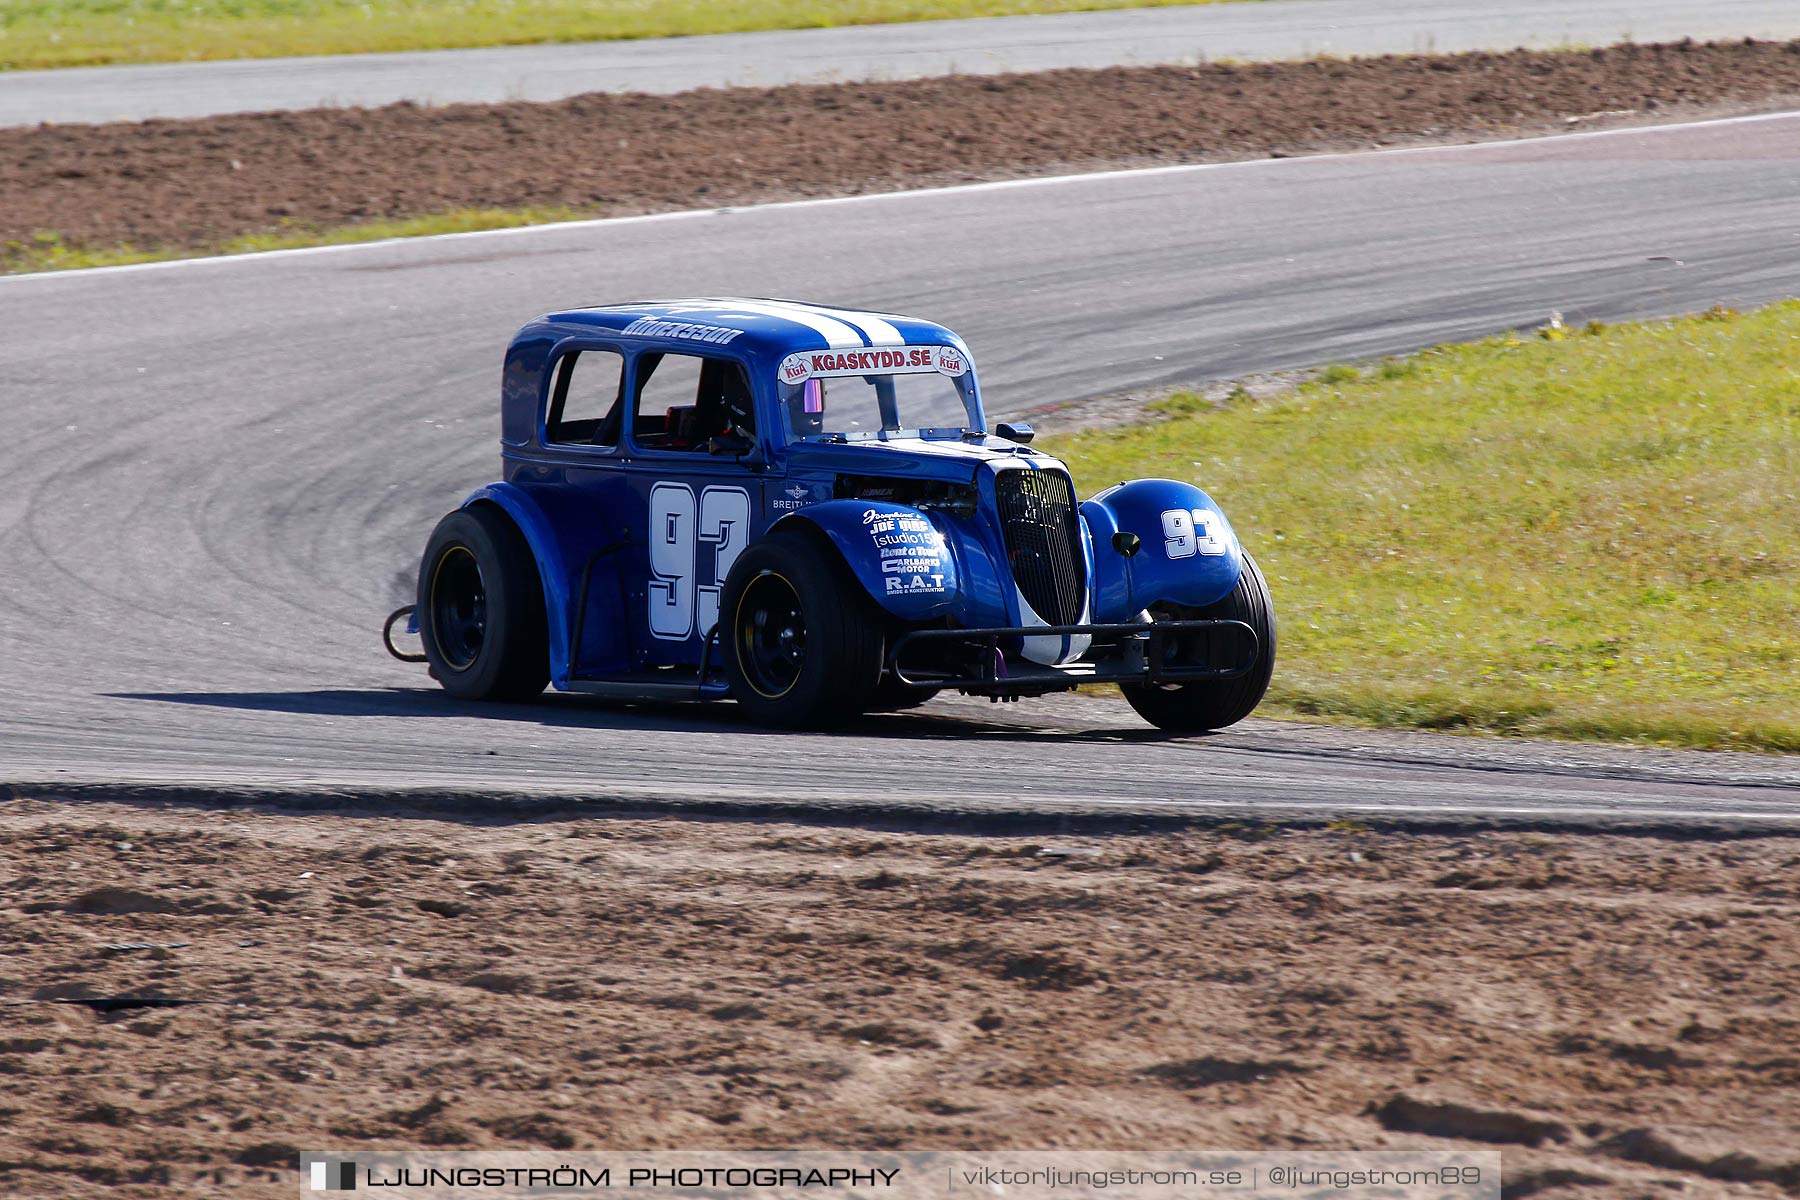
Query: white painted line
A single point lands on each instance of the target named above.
(908, 194)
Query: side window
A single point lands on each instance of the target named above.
(684, 401)
(584, 405)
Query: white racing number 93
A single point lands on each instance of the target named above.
(1187, 532)
(675, 540)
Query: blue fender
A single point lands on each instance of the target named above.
(899, 554)
(1186, 553)
(557, 576)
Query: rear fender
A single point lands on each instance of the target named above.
(546, 549)
(899, 555)
(1185, 550)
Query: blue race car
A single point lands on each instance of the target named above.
(802, 508)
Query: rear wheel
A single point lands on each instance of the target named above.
(800, 645)
(481, 608)
(1214, 704)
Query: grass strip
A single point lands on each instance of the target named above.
(48, 251)
(1585, 534)
(79, 33)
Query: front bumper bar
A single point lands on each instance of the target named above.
(1142, 654)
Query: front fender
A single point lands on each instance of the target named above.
(903, 560)
(546, 548)
(1186, 551)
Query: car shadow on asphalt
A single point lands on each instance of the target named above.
(558, 710)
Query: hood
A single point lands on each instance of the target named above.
(952, 459)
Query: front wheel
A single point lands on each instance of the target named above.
(1214, 704)
(481, 608)
(801, 647)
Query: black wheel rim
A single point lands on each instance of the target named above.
(458, 608)
(771, 635)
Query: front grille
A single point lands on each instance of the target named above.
(1037, 515)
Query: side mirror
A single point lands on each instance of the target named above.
(729, 443)
(1015, 431)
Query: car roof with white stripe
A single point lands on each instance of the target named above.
(770, 326)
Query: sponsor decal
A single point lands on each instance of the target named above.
(918, 583)
(911, 550)
(904, 522)
(907, 539)
(799, 496)
(896, 360)
(712, 335)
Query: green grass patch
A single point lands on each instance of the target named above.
(69, 33)
(1585, 533)
(48, 252)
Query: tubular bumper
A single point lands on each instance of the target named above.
(1144, 655)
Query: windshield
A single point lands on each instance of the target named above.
(865, 393)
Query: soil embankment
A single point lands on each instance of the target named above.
(197, 183)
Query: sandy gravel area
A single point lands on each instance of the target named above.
(191, 996)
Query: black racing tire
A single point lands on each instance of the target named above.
(1209, 704)
(481, 608)
(800, 640)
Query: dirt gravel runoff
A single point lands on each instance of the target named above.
(190, 996)
(196, 183)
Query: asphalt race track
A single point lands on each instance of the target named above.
(1247, 32)
(218, 474)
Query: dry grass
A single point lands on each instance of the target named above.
(48, 251)
(72, 33)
